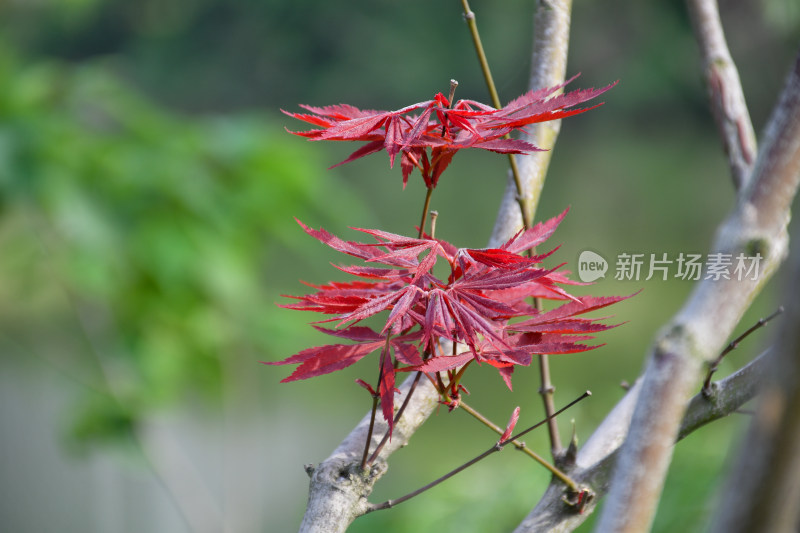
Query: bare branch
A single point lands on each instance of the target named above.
(339, 488)
(725, 90)
(598, 456)
(756, 226)
(762, 492)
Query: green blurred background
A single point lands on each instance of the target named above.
(147, 189)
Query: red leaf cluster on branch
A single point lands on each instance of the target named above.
(481, 306)
(428, 139)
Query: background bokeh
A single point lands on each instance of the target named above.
(147, 189)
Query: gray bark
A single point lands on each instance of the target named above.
(758, 224)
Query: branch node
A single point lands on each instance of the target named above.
(309, 468)
(578, 499)
(709, 391)
(571, 455)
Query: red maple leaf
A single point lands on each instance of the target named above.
(428, 134)
(481, 304)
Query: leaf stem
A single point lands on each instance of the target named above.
(469, 16)
(495, 448)
(547, 392)
(425, 207)
(434, 216)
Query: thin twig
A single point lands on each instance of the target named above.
(526, 208)
(548, 69)
(570, 404)
(425, 208)
(521, 445)
(714, 365)
(369, 432)
(495, 448)
(547, 392)
(524, 204)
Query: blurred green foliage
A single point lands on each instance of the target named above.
(156, 226)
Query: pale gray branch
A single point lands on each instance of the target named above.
(725, 90)
(763, 490)
(339, 489)
(548, 68)
(757, 225)
(597, 457)
(726, 396)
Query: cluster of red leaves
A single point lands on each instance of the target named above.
(481, 305)
(429, 138)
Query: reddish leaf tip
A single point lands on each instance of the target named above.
(510, 426)
(367, 386)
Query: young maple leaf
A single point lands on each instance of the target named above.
(480, 305)
(323, 360)
(428, 134)
(512, 422)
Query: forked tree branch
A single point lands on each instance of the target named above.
(757, 225)
(339, 489)
(763, 492)
(725, 90)
(596, 459)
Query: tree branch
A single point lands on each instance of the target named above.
(762, 491)
(339, 488)
(757, 225)
(725, 90)
(548, 68)
(596, 459)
